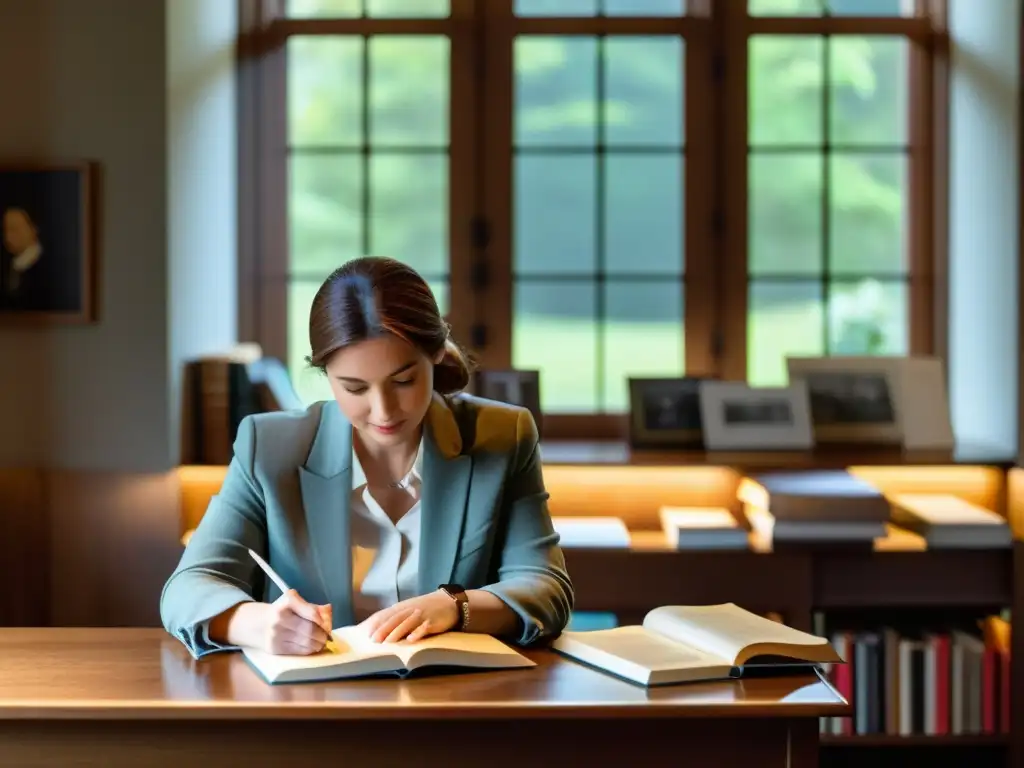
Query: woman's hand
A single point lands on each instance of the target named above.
(289, 626)
(413, 619)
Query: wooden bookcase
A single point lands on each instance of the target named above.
(629, 582)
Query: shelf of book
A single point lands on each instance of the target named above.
(866, 589)
(889, 740)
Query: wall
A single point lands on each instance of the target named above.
(984, 222)
(147, 92)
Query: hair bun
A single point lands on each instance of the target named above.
(452, 374)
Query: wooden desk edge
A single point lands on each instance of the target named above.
(162, 710)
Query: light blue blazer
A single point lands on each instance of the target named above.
(484, 519)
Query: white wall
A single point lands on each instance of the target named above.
(146, 89)
(984, 212)
(202, 182)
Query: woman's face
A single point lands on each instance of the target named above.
(384, 387)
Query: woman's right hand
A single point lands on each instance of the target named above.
(290, 626)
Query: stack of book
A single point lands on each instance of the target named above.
(702, 528)
(945, 521)
(813, 509)
(948, 682)
(601, 532)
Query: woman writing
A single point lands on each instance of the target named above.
(404, 505)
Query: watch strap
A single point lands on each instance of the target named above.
(457, 593)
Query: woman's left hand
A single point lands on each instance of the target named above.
(413, 619)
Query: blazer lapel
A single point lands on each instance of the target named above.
(446, 481)
(326, 482)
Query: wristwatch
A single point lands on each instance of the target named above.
(457, 593)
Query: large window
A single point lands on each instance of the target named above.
(601, 189)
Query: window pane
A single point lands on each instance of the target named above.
(643, 335)
(785, 7)
(785, 101)
(784, 319)
(325, 97)
(409, 79)
(644, 7)
(643, 214)
(310, 383)
(555, 331)
(555, 226)
(870, 7)
(868, 195)
(785, 214)
(868, 317)
(556, 7)
(345, 9)
(869, 83)
(325, 212)
(556, 91)
(408, 9)
(644, 91)
(409, 209)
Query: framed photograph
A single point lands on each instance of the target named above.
(511, 386)
(854, 400)
(665, 413)
(47, 259)
(884, 401)
(738, 417)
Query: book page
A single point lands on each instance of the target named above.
(463, 647)
(650, 650)
(734, 634)
(338, 653)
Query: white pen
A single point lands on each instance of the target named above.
(265, 566)
(270, 572)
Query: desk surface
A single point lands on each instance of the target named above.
(144, 674)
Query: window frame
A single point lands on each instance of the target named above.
(716, 279)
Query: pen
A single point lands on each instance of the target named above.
(272, 575)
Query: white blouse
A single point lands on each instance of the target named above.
(385, 555)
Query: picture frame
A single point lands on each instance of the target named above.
(665, 413)
(877, 401)
(516, 387)
(48, 263)
(738, 417)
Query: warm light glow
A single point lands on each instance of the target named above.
(1015, 501)
(979, 485)
(201, 474)
(198, 484)
(898, 539)
(752, 493)
(636, 494)
(698, 517)
(939, 506)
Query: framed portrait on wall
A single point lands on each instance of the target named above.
(47, 247)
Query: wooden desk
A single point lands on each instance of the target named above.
(133, 697)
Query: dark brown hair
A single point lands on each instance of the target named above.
(372, 296)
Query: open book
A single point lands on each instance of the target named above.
(678, 643)
(351, 653)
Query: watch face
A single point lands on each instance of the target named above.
(452, 589)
